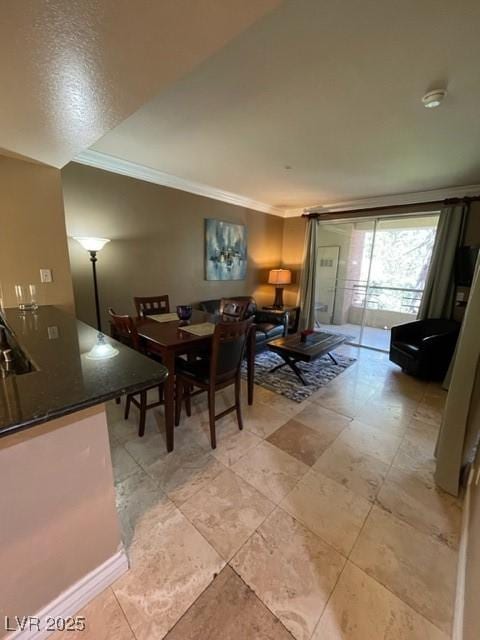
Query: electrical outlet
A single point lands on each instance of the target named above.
(46, 275)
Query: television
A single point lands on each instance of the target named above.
(465, 262)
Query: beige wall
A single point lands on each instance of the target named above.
(32, 231)
(472, 584)
(57, 506)
(157, 241)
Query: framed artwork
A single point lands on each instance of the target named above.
(225, 250)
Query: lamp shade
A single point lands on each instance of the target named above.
(92, 244)
(280, 276)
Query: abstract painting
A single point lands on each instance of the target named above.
(225, 250)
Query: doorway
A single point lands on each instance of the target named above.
(371, 275)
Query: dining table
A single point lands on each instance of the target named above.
(169, 340)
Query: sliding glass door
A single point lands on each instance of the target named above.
(371, 275)
(341, 282)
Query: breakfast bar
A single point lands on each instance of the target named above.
(59, 534)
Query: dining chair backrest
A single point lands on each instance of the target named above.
(232, 310)
(151, 305)
(124, 329)
(228, 348)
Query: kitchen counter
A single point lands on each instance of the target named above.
(64, 380)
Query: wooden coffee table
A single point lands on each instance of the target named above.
(293, 350)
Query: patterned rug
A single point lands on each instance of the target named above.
(284, 381)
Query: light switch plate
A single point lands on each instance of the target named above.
(53, 332)
(46, 275)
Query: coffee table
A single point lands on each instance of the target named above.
(293, 350)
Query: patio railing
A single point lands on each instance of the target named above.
(401, 299)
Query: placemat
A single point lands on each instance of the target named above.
(164, 317)
(202, 329)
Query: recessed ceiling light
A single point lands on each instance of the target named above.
(434, 98)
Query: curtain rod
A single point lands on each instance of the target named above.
(367, 210)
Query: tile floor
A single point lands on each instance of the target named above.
(319, 520)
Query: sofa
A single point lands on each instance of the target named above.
(268, 325)
(424, 348)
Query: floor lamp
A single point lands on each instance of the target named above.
(93, 245)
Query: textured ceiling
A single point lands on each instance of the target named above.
(332, 89)
(70, 70)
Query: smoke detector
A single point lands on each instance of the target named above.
(433, 98)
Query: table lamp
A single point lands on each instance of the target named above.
(279, 277)
(93, 245)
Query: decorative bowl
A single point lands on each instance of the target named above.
(184, 312)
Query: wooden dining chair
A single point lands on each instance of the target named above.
(220, 370)
(151, 305)
(232, 310)
(124, 330)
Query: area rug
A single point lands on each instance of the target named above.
(284, 382)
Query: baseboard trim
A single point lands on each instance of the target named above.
(458, 615)
(71, 601)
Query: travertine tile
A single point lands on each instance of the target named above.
(404, 386)
(328, 509)
(425, 433)
(416, 453)
(228, 610)
(416, 567)
(270, 470)
(136, 496)
(278, 402)
(381, 413)
(122, 462)
(184, 472)
(300, 441)
(148, 449)
(329, 424)
(361, 473)
(263, 419)
(227, 512)
(346, 398)
(362, 609)
(233, 444)
(104, 620)
(416, 457)
(152, 447)
(371, 441)
(430, 411)
(171, 564)
(291, 569)
(408, 497)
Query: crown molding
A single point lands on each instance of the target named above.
(110, 163)
(415, 197)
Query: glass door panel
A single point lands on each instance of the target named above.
(341, 282)
(371, 275)
(401, 249)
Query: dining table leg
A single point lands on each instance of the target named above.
(168, 358)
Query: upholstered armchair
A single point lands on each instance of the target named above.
(424, 348)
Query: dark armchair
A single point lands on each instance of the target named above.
(268, 325)
(424, 348)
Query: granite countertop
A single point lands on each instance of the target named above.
(63, 379)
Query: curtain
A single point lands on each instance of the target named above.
(460, 430)
(306, 293)
(439, 293)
